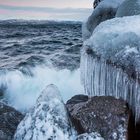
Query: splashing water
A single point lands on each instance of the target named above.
(21, 91)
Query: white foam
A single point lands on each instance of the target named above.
(22, 90)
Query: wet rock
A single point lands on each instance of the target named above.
(48, 120)
(9, 120)
(90, 136)
(105, 115)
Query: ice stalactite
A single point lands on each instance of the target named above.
(103, 79)
(110, 61)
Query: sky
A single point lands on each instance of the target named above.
(45, 9)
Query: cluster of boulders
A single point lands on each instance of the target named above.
(81, 118)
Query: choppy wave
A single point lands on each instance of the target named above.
(27, 51)
(32, 43)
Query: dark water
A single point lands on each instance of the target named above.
(31, 43)
(34, 54)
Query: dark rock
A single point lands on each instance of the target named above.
(77, 99)
(105, 115)
(2, 91)
(9, 120)
(1, 94)
(96, 2)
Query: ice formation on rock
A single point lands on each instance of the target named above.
(105, 10)
(48, 120)
(90, 136)
(129, 8)
(110, 61)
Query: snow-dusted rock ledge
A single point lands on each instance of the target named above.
(107, 116)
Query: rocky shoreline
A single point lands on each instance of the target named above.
(111, 109)
(81, 118)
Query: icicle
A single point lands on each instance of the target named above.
(102, 79)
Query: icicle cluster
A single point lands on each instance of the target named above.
(102, 79)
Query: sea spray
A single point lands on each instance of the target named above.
(22, 89)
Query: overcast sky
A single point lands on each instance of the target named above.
(45, 9)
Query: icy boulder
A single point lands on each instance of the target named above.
(129, 8)
(105, 10)
(110, 62)
(48, 120)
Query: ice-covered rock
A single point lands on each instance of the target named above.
(48, 120)
(105, 10)
(129, 8)
(9, 120)
(105, 115)
(90, 136)
(110, 62)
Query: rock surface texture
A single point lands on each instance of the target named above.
(105, 115)
(9, 120)
(48, 120)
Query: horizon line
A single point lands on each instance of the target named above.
(43, 9)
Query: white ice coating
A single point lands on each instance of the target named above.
(105, 10)
(116, 40)
(48, 120)
(129, 8)
(90, 136)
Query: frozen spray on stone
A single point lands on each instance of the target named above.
(47, 120)
(104, 10)
(129, 8)
(110, 63)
